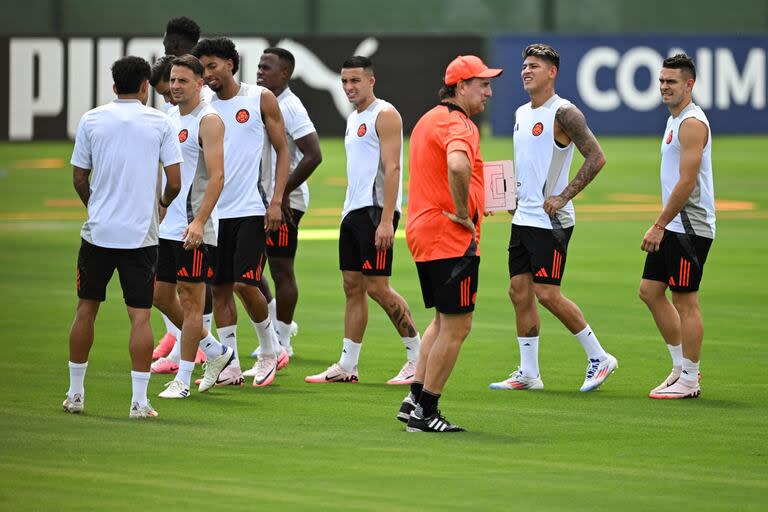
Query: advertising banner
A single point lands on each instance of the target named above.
(614, 80)
(50, 82)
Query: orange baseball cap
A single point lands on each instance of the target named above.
(465, 67)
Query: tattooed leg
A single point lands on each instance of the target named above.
(392, 303)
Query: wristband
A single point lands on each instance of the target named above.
(160, 200)
(658, 226)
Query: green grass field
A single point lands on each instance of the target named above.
(295, 446)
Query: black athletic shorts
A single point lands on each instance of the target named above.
(541, 252)
(284, 242)
(679, 262)
(136, 268)
(174, 263)
(449, 285)
(240, 250)
(357, 249)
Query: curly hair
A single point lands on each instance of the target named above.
(184, 27)
(221, 47)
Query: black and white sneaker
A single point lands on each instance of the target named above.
(406, 408)
(435, 423)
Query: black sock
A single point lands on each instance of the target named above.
(428, 403)
(416, 388)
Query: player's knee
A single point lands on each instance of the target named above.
(646, 294)
(353, 287)
(377, 291)
(550, 299)
(516, 295)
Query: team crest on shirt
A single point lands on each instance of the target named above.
(242, 116)
(183, 134)
(361, 130)
(669, 137)
(538, 129)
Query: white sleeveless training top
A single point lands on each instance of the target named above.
(541, 166)
(365, 172)
(698, 214)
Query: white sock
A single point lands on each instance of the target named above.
(77, 379)
(228, 337)
(175, 354)
(412, 347)
(590, 344)
(211, 348)
(266, 335)
(272, 307)
(208, 321)
(350, 355)
(139, 382)
(676, 351)
(529, 355)
(185, 372)
(283, 333)
(171, 328)
(690, 374)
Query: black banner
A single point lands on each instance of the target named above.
(51, 82)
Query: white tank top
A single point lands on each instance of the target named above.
(365, 172)
(541, 166)
(297, 125)
(194, 178)
(698, 214)
(243, 144)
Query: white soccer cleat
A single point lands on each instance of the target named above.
(75, 405)
(282, 362)
(671, 379)
(138, 411)
(597, 372)
(405, 376)
(264, 371)
(175, 389)
(519, 381)
(231, 375)
(334, 373)
(214, 368)
(679, 389)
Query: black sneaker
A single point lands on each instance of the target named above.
(406, 408)
(435, 423)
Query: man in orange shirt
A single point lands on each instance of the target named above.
(445, 208)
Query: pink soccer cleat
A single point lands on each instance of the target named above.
(405, 376)
(164, 346)
(334, 373)
(164, 365)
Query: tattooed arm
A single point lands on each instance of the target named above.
(573, 126)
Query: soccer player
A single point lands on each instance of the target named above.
(374, 144)
(122, 143)
(445, 209)
(679, 240)
(275, 69)
(187, 254)
(181, 35)
(249, 113)
(546, 131)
